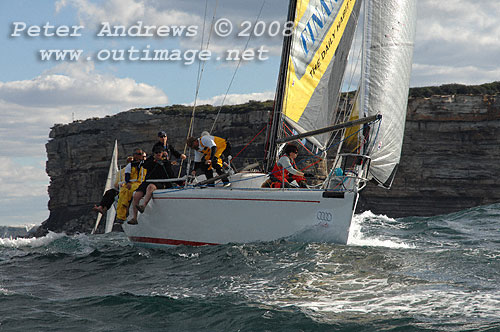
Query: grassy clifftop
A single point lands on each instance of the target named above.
(456, 89)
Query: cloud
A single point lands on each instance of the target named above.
(20, 180)
(234, 99)
(456, 42)
(434, 74)
(30, 108)
(66, 92)
(24, 183)
(126, 12)
(70, 90)
(78, 84)
(459, 22)
(186, 13)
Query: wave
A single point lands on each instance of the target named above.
(34, 242)
(17, 231)
(361, 231)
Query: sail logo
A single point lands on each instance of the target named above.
(311, 31)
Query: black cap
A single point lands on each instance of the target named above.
(162, 134)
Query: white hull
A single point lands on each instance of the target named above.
(204, 216)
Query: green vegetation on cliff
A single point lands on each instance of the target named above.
(456, 89)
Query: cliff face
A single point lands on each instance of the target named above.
(79, 153)
(449, 159)
(449, 156)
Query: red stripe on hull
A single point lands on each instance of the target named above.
(154, 240)
(240, 199)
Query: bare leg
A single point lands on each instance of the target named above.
(149, 194)
(137, 198)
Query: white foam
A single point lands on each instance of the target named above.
(31, 242)
(357, 238)
(324, 292)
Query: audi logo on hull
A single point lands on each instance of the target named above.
(324, 216)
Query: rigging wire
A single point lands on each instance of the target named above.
(201, 70)
(249, 142)
(236, 70)
(200, 73)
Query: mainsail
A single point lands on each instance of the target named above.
(323, 34)
(388, 50)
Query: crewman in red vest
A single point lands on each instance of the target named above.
(284, 171)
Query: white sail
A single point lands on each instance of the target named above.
(388, 50)
(110, 181)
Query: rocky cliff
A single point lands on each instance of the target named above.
(449, 159)
(79, 153)
(449, 156)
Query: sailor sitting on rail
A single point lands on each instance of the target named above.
(134, 175)
(284, 171)
(158, 167)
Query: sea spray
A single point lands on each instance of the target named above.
(29, 242)
(370, 222)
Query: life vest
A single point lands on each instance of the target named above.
(280, 175)
(137, 172)
(221, 146)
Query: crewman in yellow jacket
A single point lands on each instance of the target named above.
(133, 177)
(209, 151)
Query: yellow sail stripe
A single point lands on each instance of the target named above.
(299, 92)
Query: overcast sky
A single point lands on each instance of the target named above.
(457, 41)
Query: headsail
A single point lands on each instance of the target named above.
(110, 181)
(321, 41)
(388, 50)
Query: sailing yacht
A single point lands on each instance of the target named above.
(366, 135)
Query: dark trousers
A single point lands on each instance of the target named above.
(201, 167)
(108, 198)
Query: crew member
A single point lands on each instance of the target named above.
(134, 175)
(158, 167)
(109, 196)
(284, 171)
(209, 153)
(171, 151)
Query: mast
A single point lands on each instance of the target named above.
(276, 115)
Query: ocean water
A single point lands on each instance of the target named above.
(411, 274)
